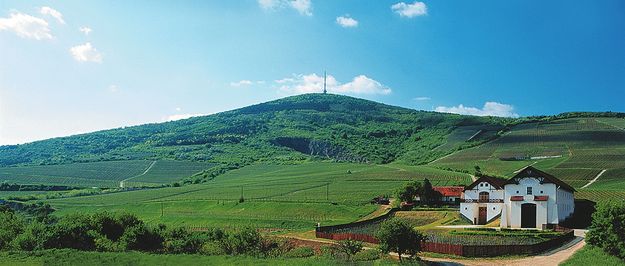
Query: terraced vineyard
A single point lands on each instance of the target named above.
(102, 174)
(574, 150)
(275, 196)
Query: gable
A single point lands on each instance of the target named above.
(497, 183)
(542, 177)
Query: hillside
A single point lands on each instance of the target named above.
(283, 131)
(575, 149)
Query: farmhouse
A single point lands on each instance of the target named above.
(531, 199)
(450, 194)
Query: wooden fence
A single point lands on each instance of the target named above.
(337, 233)
(466, 250)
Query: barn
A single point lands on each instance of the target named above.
(530, 199)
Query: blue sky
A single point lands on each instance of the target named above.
(70, 67)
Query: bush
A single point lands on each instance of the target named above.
(212, 249)
(72, 231)
(608, 228)
(180, 240)
(349, 247)
(367, 255)
(33, 237)
(246, 241)
(301, 252)
(142, 238)
(11, 225)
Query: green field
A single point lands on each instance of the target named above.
(73, 257)
(103, 174)
(574, 150)
(276, 196)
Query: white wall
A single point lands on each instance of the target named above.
(546, 211)
(471, 210)
(566, 204)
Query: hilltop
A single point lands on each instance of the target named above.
(281, 131)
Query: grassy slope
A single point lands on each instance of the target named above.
(590, 255)
(276, 196)
(357, 128)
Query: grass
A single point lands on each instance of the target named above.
(72, 257)
(590, 255)
(102, 174)
(294, 197)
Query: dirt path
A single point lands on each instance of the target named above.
(121, 183)
(553, 257)
(595, 180)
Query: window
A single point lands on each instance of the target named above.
(529, 190)
(484, 197)
(541, 192)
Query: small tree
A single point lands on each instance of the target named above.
(409, 191)
(398, 236)
(350, 247)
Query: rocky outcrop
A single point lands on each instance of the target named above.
(319, 148)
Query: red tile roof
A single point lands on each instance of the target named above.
(450, 191)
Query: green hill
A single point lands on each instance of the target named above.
(282, 131)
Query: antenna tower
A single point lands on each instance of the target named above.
(325, 76)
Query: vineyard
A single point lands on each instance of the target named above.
(275, 196)
(102, 174)
(575, 150)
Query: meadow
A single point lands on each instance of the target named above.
(104, 174)
(274, 196)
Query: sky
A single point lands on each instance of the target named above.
(69, 67)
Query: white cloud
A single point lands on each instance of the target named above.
(241, 83)
(46, 10)
(85, 30)
(86, 53)
(422, 98)
(346, 21)
(113, 89)
(180, 117)
(314, 83)
(304, 7)
(489, 109)
(410, 10)
(26, 26)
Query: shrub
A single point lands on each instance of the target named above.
(10, 226)
(607, 230)
(142, 238)
(212, 249)
(367, 255)
(349, 247)
(180, 240)
(33, 237)
(245, 241)
(72, 231)
(300, 252)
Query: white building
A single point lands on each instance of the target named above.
(531, 199)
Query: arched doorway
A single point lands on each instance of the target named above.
(528, 215)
